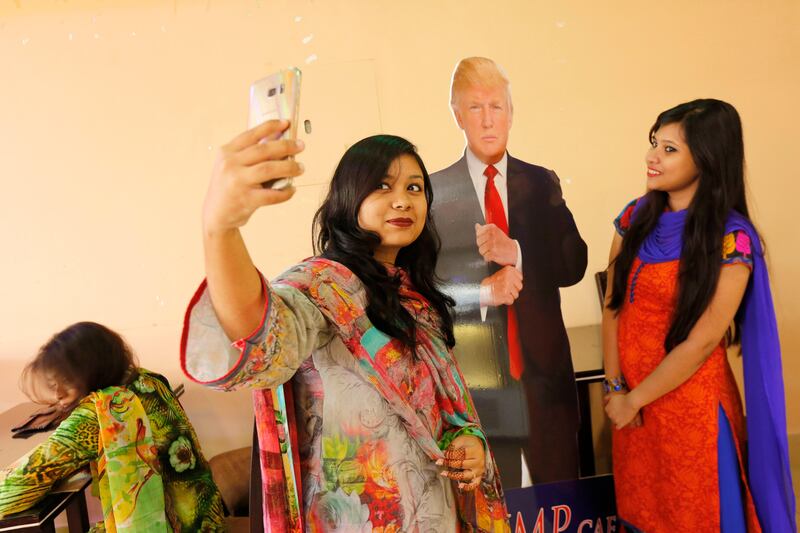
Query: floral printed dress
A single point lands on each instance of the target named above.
(190, 501)
(369, 416)
(668, 472)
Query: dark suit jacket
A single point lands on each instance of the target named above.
(553, 256)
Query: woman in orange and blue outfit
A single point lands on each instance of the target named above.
(687, 279)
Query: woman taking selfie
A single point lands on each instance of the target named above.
(687, 279)
(374, 429)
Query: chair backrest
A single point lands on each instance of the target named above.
(231, 473)
(601, 280)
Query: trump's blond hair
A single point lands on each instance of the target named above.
(478, 72)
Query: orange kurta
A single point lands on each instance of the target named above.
(666, 472)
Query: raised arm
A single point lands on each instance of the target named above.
(239, 330)
(234, 194)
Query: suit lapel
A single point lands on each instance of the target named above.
(458, 194)
(469, 191)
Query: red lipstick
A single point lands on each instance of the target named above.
(401, 222)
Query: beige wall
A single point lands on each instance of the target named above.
(110, 112)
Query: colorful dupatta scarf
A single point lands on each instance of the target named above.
(337, 293)
(768, 467)
(127, 472)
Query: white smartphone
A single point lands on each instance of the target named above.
(277, 97)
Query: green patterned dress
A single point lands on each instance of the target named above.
(191, 499)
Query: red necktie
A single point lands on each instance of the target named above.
(495, 214)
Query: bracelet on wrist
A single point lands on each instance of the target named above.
(616, 384)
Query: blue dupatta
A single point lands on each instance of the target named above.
(768, 467)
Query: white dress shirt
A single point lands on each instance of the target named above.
(476, 173)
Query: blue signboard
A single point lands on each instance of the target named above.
(576, 506)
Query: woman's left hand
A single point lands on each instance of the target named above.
(464, 461)
(621, 409)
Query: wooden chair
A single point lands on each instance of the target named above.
(231, 472)
(601, 281)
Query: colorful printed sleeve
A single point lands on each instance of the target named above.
(73, 444)
(291, 328)
(623, 220)
(736, 249)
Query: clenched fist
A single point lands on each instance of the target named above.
(495, 246)
(503, 287)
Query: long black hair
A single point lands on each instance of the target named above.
(339, 238)
(713, 132)
(86, 355)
